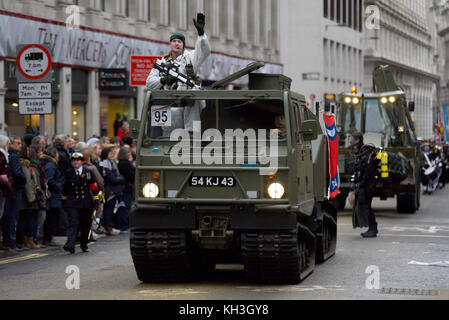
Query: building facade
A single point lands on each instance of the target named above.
(322, 46)
(92, 39)
(406, 39)
(440, 9)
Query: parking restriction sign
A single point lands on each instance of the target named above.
(33, 63)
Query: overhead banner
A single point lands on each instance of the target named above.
(331, 130)
(92, 48)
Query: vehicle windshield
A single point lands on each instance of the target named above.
(165, 116)
(352, 116)
(376, 119)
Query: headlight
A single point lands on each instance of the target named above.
(392, 99)
(150, 190)
(276, 190)
(348, 100)
(355, 100)
(383, 100)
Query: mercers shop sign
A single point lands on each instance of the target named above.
(112, 79)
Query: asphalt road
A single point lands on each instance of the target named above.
(107, 272)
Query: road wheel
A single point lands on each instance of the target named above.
(280, 257)
(406, 202)
(160, 255)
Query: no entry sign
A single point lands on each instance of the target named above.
(140, 69)
(34, 62)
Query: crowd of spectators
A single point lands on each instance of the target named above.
(32, 173)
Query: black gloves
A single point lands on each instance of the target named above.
(168, 80)
(199, 23)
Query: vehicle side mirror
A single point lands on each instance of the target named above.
(309, 129)
(411, 106)
(134, 126)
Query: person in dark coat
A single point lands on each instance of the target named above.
(55, 182)
(6, 191)
(113, 189)
(19, 187)
(366, 170)
(64, 164)
(29, 208)
(128, 171)
(80, 198)
(60, 143)
(117, 123)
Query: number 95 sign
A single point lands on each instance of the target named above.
(160, 116)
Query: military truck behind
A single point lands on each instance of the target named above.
(384, 119)
(209, 196)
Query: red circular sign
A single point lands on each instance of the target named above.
(34, 61)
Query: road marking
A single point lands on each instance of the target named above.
(423, 229)
(158, 293)
(292, 289)
(28, 257)
(399, 235)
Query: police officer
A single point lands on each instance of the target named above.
(80, 198)
(366, 170)
(189, 62)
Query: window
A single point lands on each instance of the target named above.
(345, 13)
(103, 5)
(338, 11)
(360, 15)
(127, 8)
(332, 9)
(326, 8)
(350, 14)
(232, 114)
(169, 12)
(149, 10)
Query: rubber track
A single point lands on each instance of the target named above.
(160, 256)
(271, 257)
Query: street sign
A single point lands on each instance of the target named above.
(33, 63)
(34, 90)
(35, 106)
(313, 97)
(311, 76)
(112, 79)
(34, 78)
(141, 67)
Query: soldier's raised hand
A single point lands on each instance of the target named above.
(200, 23)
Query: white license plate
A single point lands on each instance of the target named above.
(212, 181)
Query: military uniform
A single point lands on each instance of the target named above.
(80, 196)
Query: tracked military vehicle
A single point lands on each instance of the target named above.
(384, 119)
(233, 190)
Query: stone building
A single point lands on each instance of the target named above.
(88, 36)
(407, 41)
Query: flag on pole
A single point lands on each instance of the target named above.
(445, 122)
(331, 130)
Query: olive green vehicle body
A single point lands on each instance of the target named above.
(239, 224)
(386, 125)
